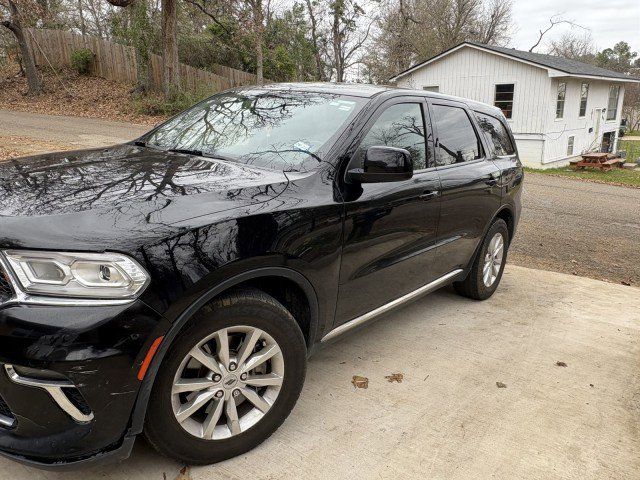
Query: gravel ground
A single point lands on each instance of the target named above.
(582, 228)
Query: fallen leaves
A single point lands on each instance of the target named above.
(360, 382)
(18, 146)
(184, 474)
(75, 95)
(395, 377)
(501, 385)
(560, 364)
(363, 382)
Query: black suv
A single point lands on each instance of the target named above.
(176, 285)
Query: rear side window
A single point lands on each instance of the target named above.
(457, 139)
(498, 134)
(399, 126)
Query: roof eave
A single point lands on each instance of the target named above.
(560, 73)
(553, 72)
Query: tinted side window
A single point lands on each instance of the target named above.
(457, 139)
(498, 134)
(399, 126)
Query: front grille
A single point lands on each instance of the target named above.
(7, 419)
(75, 397)
(6, 291)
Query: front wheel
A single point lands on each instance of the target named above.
(230, 380)
(485, 274)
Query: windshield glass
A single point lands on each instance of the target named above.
(283, 130)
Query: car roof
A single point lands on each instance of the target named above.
(366, 90)
(354, 89)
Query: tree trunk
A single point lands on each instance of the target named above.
(83, 27)
(170, 73)
(259, 60)
(33, 80)
(316, 46)
(258, 26)
(337, 44)
(142, 44)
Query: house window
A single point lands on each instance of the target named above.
(562, 92)
(612, 106)
(570, 145)
(504, 98)
(432, 88)
(584, 93)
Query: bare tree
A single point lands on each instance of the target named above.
(346, 38)
(170, 72)
(11, 18)
(257, 17)
(494, 23)
(315, 36)
(554, 21)
(575, 47)
(410, 31)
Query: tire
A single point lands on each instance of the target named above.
(473, 286)
(248, 310)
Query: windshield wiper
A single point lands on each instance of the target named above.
(186, 150)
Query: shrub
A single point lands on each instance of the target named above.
(82, 60)
(155, 104)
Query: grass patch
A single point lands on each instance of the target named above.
(617, 176)
(632, 147)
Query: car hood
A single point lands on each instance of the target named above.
(125, 192)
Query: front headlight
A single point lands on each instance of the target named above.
(80, 275)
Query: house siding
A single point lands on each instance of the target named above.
(472, 73)
(558, 131)
(541, 139)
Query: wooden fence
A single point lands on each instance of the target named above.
(115, 61)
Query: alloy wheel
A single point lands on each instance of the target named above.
(493, 260)
(227, 382)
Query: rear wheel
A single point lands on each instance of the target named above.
(485, 274)
(229, 381)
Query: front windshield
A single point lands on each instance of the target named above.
(280, 129)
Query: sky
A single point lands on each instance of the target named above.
(609, 21)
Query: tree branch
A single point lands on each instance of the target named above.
(553, 21)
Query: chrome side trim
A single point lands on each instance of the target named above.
(6, 421)
(429, 287)
(54, 388)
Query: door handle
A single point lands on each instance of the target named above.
(492, 180)
(429, 194)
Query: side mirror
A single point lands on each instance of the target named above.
(383, 164)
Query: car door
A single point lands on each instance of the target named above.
(470, 190)
(390, 229)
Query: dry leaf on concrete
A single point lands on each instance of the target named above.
(394, 377)
(360, 382)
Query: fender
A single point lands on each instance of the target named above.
(140, 408)
(484, 232)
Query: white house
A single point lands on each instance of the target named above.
(557, 108)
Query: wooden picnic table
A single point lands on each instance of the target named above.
(601, 161)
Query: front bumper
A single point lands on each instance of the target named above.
(99, 350)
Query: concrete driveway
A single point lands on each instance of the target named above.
(448, 419)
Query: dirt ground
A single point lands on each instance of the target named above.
(67, 93)
(485, 395)
(582, 228)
